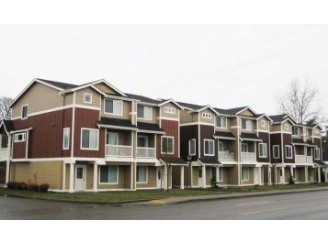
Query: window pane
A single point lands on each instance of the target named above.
(66, 138)
(142, 142)
(164, 144)
(4, 141)
(93, 139)
(112, 139)
(192, 147)
(170, 145)
(112, 170)
(117, 107)
(211, 147)
(140, 111)
(109, 106)
(103, 174)
(147, 112)
(206, 147)
(243, 124)
(85, 138)
(141, 174)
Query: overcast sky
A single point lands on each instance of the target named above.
(221, 65)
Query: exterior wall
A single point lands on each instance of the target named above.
(250, 177)
(195, 176)
(287, 174)
(247, 112)
(168, 115)
(185, 117)
(47, 131)
(207, 132)
(208, 176)
(2, 172)
(263, 128)
(46, 172)
(287, 140)
(265, 139)
(19, 150)
(155, 114)
(275, 139)
(232, 175)
(121, 178)
(151, 178)
(38, 97)
(224, 171)
(127, 108)
(176, 176)
(171, 128)
(206, 120)
(300, 174)
(289, 127)
(96, 98)
(275, 128)
(86, 118)
(104, 88)
(187, 176)
(89, 176)
(265, 171)
(187, 133)
(318, 134)
(235, 144)
(300, 132)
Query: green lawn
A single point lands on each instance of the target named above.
(121, 196)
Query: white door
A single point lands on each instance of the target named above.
(160, 180)
(200, 176)
(282, 180)
(256, 176)
(80, 177)
(310, 174)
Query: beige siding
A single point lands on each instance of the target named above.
(250, 177)
(247, 112)
(206, 120)
(287, 173)
(154, 116)
(266, 126)
(68, 99)
(224, 172)
(208, 175)
(79, 97)
(89, 177)
(187, 176)
(275, 128)
(46, 172)
(233, 122)
(289, 127)
(176, 176)
(316, 134)
(232, 175)
(38, 97)
(151, 178)
(127, 106)
(195, 176)
(121, 177)
(67, 175)
(185, 117)
(104, 88)
(168, 115)
(299, 135)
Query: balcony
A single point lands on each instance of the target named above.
(3, 153)
(225, 156)
(122, 151)
(300, 159)
(147, 153)
(248, 156)
(309, 159)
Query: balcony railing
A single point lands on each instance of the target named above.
(309, 159)
(248, 156)
(118, 150)
(226, 156)
(4, 153)
(143, 152)
(300, 158)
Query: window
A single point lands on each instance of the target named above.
(66, 138)
(142, 141)
(294, 173)
(24, 111)
(3, 141)
(169, 110)
(113, 106)
(192, 147)
(317, 154)
(276, 153)
(220, 174)
(89, 139)
(246, 124)
(141, 174)
(244, 147)
(263, 123)
(144, 112)
(245, 173)
(295, 130)
(109, 174)
(87, 98)
(286, 127)
(167, 145)
(221, 146)
(289, 152)
(221, 122)
(20, 137)
(263, 150)
(209, 147)
(207, 115)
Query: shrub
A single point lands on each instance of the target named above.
(44, 187)
(11, 184)
(214, 184)
(291, 180)
(33, 187)
(19, 185)
(24, 186)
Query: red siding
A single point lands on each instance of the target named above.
(46, 137)
(171, 128)
(87, 118)
(19, 150)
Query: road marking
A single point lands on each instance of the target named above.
(283, 208)
(253, 203)
(159, 201)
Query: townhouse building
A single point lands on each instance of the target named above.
(90, 137)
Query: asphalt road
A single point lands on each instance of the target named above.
(298, 206)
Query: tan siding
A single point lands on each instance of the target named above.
(195, 176)
(316, 134)
(267, 124)
(89, 177)
(154, 116)
(127, 106)
(224, 176)
(104, 88)
(187, 176)
(79, 97)
(151, 179)
(232, 175)
(289, 127)
(287, 173)
(46, 172)
(127, 177)
(247, 112)
(251, 176)
(175, 116)
(120, 184)
(68, 99)
(300, 174)
(275, 128)
(185, 117)
(208, 175)
(206, 120)
(67, 174)
(176, 176)
(39, 97)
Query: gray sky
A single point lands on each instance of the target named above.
(221, 65)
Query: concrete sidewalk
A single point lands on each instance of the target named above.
(174, 200)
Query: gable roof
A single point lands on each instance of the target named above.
(142, 98)
(190, 106)
(60, 85)
(259, 116)
(237, 110)
(8, 125)
(203, 108)
(281, 118)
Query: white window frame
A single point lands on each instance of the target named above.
(143, 117)
(278, 147)
(286, 127)
(192, 140)
(81, 140)
(211, 141)
(244, 144)
(168, 137)
(169, 110)
(22, 116)
(114, 100)
(145, 137)
(294, 127)
(207, 115)
(85, 96)
(263, 123)
(16, 140)
(222, 119)
(137, 177)
(265, 149)
(291, 151)
(317, 153)
(117, 175)
(248, 125)
(242, 173)
(66, 130)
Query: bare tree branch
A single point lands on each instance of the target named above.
(5, 108)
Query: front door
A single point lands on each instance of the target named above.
(282, 178)
(200, 176)
(256, 176)
(160, 181)
(310, 170)
(80, 177)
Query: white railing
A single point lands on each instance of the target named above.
(309, 159)
(248, 156)
(4, 153)
(118, 150)
(143, 152)
(225, 156)
(300, 158)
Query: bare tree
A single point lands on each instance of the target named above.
(301, 101)
(5, 108)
